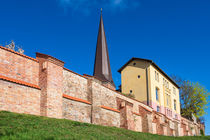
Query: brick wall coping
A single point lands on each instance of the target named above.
(75, 73)
(19, 82)
(12, 51)
(136, 113)
(185, 119)
(109, 108)
(158, 113)
(161, 114)
(134, 100)
(147, 109)
(50, 59)
(76, 99)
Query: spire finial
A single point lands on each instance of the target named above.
(101, 10)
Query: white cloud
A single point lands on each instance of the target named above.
(86, 6)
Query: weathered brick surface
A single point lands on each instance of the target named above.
(146, 119)
(121, 106)
(103, 96)
(130, 117)
(43, 86)
(18, 98)
(54, 91)
(109, 118)
(76, 111)
(74, 85)
(158, 126)
(51, 83)
(18, 67)
(138, 123)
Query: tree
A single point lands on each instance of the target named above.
(193, 98)
(13, 46)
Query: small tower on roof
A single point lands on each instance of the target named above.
(102, 69)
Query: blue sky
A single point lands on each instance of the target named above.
(173, 33)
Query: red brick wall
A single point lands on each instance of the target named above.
(18, 98)
(159, 126)
(121, 106)
(126, 114)
(145, 122)
(18, 66)
(19, 90)
(51, 83)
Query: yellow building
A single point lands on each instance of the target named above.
(151, 85)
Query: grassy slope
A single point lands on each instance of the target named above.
(21, 126)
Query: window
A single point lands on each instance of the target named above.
(157, 94)
(174, 104)
(139, 76)
(169, 112)
(131, 91)
(134, 64)
(156, 76)
(168, 100)
(158, 109)
(165, 83)
(174, 90)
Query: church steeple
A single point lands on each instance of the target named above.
(102, 69)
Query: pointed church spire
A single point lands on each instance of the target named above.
(102, 69)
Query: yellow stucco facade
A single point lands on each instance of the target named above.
(131, 83)
(150, 85)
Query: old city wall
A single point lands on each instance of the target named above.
(42, 86)
(19, 90)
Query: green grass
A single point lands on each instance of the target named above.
(22, 126)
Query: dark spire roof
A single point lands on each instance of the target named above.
(102, 69)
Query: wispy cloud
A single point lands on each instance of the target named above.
(86, 6)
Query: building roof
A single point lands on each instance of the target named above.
(102, 69)
(155, 65)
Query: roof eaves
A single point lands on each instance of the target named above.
(165, 75)
(132, 59)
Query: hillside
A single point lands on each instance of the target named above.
(21, 126)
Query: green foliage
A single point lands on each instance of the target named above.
(201, 132)
(194, 98)
(15, 126)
